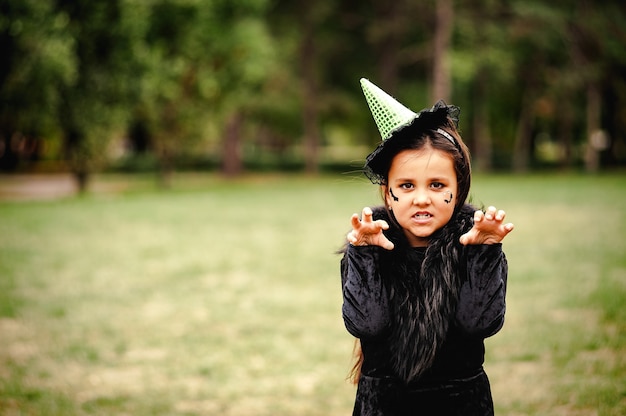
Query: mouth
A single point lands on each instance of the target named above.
(422, 216)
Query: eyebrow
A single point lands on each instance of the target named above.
(435, 179)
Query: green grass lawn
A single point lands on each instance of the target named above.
(223, 297)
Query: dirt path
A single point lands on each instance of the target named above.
(36, 187)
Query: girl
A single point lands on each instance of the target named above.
(424, 277)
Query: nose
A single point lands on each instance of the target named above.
(421, 198)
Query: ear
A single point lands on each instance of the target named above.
(385, 190)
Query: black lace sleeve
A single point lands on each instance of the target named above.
(365, 305)
(482, 305)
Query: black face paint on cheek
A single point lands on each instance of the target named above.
(395, 198)
(450, 199)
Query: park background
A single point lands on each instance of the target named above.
(136, 85)
(177, 176)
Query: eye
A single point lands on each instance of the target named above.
(437, 186)
(406, 186)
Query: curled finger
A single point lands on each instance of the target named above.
(367, 214)
(382, 224)
(354, 220)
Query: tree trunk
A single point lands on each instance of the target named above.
(81, 176)
(9, 159)
(523, 136)
(566, 128)
(166, 164)
(78, 158)
(388, 43)
(593, 147)
(441, 89)
(483, 144)
(165, 147)
(309, 90)
(232, 164)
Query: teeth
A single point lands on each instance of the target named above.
(422, 215)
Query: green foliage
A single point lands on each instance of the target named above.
(38, 62)
(81, 72)
(95, 105)
(201, 61)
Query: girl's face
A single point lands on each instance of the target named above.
(421, 190)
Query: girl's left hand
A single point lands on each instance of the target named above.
(489, 228)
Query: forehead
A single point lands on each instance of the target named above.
(422, 163)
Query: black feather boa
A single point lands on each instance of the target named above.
(423, 299)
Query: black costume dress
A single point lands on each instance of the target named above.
(389, 308)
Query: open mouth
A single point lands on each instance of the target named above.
(422, 216)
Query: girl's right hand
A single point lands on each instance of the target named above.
(367, 232)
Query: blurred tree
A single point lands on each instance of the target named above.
(282, 76)
(562, 49)
(38, 60)
(444, 25)
(536, 31)
(205, 64)
(339, 43)
(387, 34)
(95, 106)
(595, 38)
(244, 61)
(401, 36)
(303, 28)
(482, 61)
(310, 15)
(176, 80)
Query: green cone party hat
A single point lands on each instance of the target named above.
(388, 113)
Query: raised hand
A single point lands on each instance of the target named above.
(489, 228)
(367, 232)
